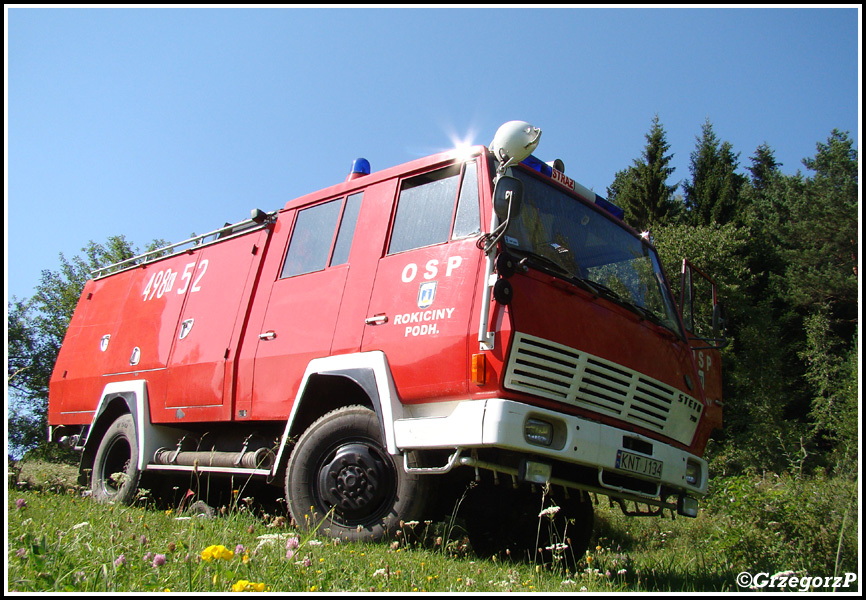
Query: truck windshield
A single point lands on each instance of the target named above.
(556, 233)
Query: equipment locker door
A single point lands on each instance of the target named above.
(424, 289)
(216, 281)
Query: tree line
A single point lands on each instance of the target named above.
(782, 248)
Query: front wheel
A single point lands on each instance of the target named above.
(115, 466)
(339, 471)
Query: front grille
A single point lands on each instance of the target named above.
(557, 372)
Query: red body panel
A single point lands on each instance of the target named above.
(600, 327)
(426, 339)
(142, 308)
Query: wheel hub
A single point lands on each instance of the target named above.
(355, 480)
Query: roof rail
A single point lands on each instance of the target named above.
(258, 220)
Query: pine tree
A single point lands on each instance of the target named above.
(822, 232)
(764, 167)
(712, 194)
(642, 190)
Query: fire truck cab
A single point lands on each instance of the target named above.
(374, 347)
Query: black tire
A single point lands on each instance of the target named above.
(115, 466)
(339, 471)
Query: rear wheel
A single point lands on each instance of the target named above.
(339, 471)
(115, 465)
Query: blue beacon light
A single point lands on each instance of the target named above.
(360, 167)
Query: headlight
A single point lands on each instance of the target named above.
(538, 432)
(693, 473)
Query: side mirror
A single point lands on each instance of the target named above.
(507, 197)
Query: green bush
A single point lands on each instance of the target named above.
(781, 522)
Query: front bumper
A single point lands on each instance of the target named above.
(579, 451)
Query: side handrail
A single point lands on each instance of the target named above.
(258, 220)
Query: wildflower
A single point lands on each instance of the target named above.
(158, 560)
(142, 540)
(557, 547)
(120, 560)
(293, 543)
(289, 554)
(239, 549)
(216, 552)
(549, 511)
(307, 562)
(148, 556)
(248, 586)
(20, 503)
(21, 553)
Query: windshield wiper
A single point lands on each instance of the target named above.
(633, 306)
(543, 263)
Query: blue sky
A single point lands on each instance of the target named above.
(157, 123)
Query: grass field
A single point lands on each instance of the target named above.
(60, 540)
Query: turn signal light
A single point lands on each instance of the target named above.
(479, 369)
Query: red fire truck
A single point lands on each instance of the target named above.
(473, 316)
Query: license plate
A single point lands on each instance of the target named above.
(640, 465)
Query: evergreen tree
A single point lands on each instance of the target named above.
(822, 232)
(764, 167)
(642, 190)
(712, 194)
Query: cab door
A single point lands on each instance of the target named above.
(302, 306)
(424, 287)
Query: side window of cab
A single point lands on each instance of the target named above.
(436, 207)
(322, 236)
